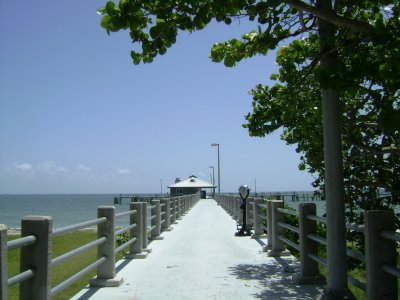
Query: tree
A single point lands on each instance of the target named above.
(154, 24)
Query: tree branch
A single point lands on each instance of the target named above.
(331, 17)
(370, 183)
(375, 150)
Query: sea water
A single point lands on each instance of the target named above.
(72, 209)
(64, 209)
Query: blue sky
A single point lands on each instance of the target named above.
(76, 116)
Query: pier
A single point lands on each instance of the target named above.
(202, 259)
(185, 248)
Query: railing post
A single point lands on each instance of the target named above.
(238, 215)
(155, 233)
(167, 210)
(183, 212)
(178, 208)
(249, 207)
(379, 251)
(135, 250)
(145, 240)
(258, 231)
(278, 247)
(106, 271)
(3, 262)
(173, 211)
(36, 257)
(309, 272)
(269, 224)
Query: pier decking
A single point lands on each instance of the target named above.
(202, 259)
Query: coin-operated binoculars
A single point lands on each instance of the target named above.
(244, 192)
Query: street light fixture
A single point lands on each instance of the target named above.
(219, 170)
(213, 180)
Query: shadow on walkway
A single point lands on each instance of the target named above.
(275, 280)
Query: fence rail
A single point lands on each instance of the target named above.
(37, 236)
(381, 241)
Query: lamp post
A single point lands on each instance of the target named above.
(213, 180)
(219, 170)
(161, 186)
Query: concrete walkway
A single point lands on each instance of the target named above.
(202, 259)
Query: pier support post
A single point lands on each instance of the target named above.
(106, 271)
(173, 210)
(3, 262)
(378, 252)
(269, 225)
(309, 272)
(155, 233)
(135, 250)
(178, 208)
(167, 214)
(37, 257)
(258, 231)
(278, 247)
(145, 235)
(249, 208)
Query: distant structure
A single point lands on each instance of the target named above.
(192, 185)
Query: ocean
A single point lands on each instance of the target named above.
(71, 209)
(64, 209)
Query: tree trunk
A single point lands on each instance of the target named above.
(334, 187)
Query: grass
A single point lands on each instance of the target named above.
(64, 270)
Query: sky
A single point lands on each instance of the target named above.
(76, 116)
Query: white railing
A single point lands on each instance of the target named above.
(37, 234)
(381, 242)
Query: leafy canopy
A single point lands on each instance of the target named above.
(366, 48)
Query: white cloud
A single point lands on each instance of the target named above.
(24, 167)
(51, 167)
(83, 168)
(124, 171)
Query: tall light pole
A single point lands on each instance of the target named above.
(161, 186)
(219, 170)
(213, 180)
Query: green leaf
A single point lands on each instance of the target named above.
(229, 62)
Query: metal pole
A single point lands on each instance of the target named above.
(219, 169)
(219, 174)
(213, 180)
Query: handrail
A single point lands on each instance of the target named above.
(318, 259)
(390, 235)
(64, 257)
(124, 245)
(75, 227)
(126, 213)
(21, 242)
(289, 242)
(28, 274)
(76, 276)
(394, 271)
(263, 206)
(356, 282)
(381, 251)
(318, 239)
(125, 229)
(289, 227)
(356, 255)
(288, 211)
(43, 234)
(317, 218)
